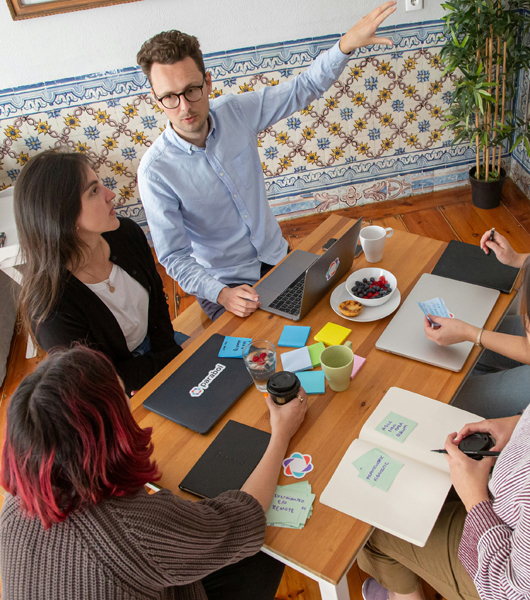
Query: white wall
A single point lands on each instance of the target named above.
(79, 43)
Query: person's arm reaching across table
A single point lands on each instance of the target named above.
(285, 421)
(454, 331)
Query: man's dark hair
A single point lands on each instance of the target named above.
(167, 48)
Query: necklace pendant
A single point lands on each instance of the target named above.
(111, 288)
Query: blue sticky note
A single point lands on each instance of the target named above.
(233, 346)
(294, 336)
(313, 382)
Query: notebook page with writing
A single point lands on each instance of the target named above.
(412, 503)
(435, 421)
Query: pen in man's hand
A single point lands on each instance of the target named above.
(492, 234)
(471, 452)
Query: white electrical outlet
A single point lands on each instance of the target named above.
(413, 5)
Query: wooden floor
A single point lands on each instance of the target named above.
(445, 215)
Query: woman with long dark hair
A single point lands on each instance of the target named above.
(89, 276)
(77, 521)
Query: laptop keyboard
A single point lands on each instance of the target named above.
(290, 300)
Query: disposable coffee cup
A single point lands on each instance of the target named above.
(283, 387)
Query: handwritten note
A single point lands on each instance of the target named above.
(233, 347)
(435, 307)
(291, 506)
(396, 427)
(378, 469)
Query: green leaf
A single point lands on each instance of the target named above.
(517, 142)
(527, 145)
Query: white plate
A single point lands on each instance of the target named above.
(369, 313)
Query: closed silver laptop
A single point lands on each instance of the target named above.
(405, 334)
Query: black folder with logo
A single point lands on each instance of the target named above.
(228, 461)
(202, 389)
(470, 264)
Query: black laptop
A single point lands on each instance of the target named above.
(202, 389)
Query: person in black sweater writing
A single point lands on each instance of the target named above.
(89, 276)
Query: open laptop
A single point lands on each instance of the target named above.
(202, 389)
(405, 334)
(304, 278)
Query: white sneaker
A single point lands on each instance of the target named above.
(372, 590)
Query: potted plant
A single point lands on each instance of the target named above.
(485, 48)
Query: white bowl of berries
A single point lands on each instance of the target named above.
(371, 286)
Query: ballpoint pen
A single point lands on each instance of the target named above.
(492, 234)
(471, 452)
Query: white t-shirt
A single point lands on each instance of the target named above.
(129, 303)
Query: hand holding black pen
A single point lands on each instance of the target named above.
(493, 240)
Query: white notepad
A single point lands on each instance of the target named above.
(410, 507)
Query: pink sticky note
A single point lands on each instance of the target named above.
(358, 362)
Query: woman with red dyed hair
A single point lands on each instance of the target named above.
(78, 522)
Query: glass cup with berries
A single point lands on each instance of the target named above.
(260, 359)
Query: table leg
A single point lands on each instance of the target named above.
(328, 591)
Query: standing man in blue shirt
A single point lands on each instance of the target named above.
(201, 182)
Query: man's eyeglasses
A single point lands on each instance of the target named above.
(192, 94)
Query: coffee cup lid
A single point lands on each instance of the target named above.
(282, 383)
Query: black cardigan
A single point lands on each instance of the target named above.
(81, 316)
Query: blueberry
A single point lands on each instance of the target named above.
(365, 280)
(372, 279)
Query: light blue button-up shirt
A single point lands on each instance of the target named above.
(207, 208)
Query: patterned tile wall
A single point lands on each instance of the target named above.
(520, 171)
(375, 135)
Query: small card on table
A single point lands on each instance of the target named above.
(294, 336)
(233, 346)
(313, 382)
(297, 360)
(291, 506)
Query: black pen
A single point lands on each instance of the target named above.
(492, 234)
(472, 453)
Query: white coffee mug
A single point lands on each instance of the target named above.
(373, 240)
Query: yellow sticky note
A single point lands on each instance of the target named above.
(332, 334)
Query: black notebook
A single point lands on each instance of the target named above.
(228, 461)
(470, 264)
(202, 389)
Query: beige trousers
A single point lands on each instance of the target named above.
(398, 565)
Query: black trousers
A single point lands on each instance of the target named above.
(214, 310)
(253, 578)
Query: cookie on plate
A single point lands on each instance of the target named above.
(350, 308)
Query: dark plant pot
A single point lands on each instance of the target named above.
(486, 194)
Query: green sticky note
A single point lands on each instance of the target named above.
(396, 427)
(290, 507)
(378, 469)
(315, 350)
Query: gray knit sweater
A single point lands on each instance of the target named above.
(139, 547)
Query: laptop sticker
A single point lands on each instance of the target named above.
(332, 269)
(205, 383)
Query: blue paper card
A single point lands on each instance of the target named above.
(294, 336)
(313, 382)
(233, 346)
(435, 306)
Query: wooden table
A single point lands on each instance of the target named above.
(329, 543)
